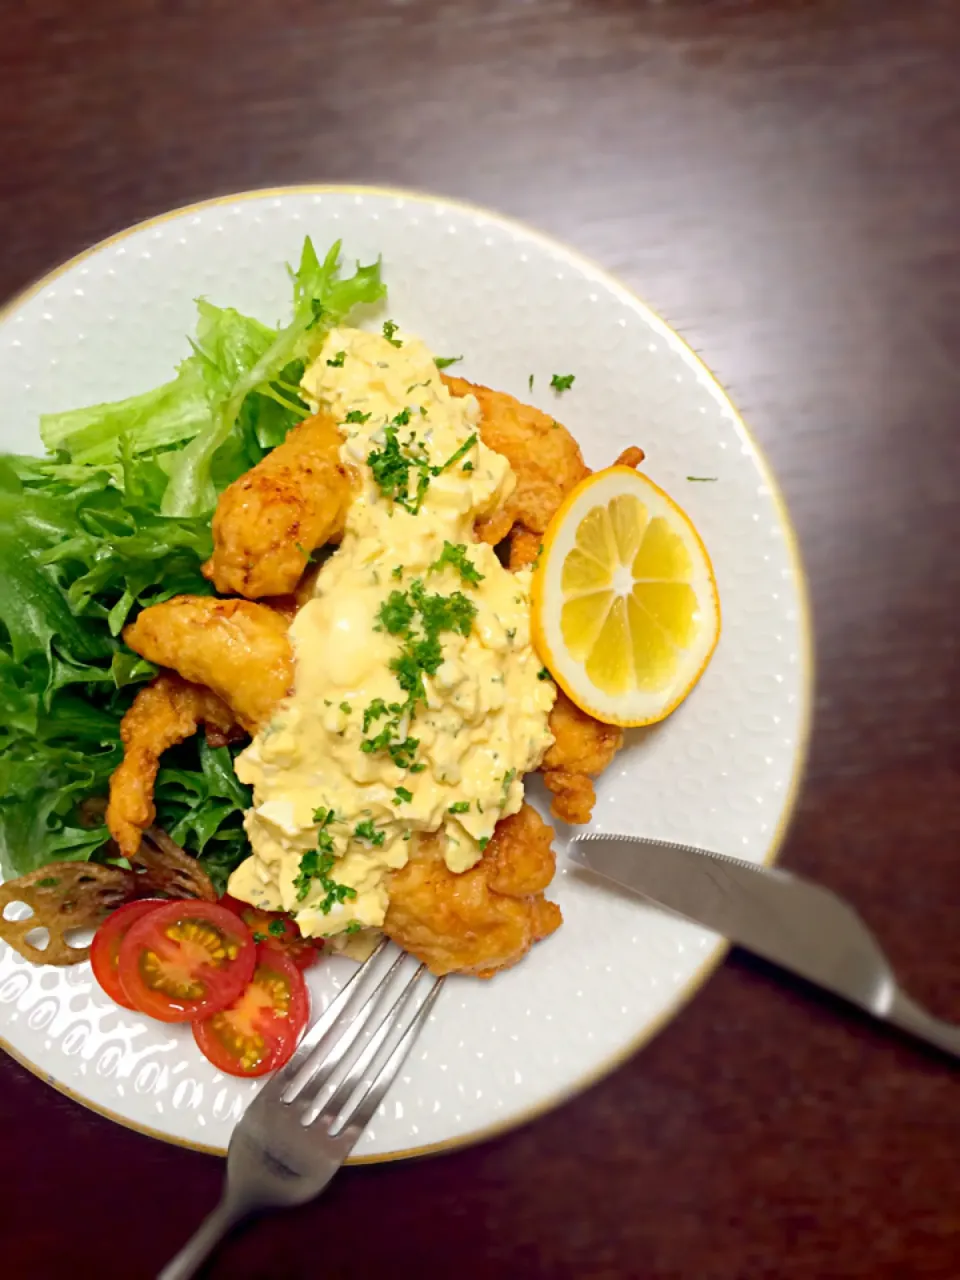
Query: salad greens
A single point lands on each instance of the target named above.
(116, 517)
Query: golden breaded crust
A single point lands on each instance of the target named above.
(269, 521)
(484, 919)
(545, 458)
(164, 712)
(238, 649)
(582, 749)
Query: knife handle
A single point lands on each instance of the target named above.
(914, 1019)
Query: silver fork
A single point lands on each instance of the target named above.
(285, 1149)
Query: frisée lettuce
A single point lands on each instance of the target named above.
(116, 517)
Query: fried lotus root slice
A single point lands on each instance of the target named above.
(235, 648)
(162, 867)
(482, 920)
(269, 521)
(165, 712)
(63, 896)
(582, 749)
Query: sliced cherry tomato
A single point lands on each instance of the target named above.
(277, 931)
(260, 1030)
(105, 948)
(186, 959)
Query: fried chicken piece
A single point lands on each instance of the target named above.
(524, 548)
(163, 713)
(238, 649)
(267, 522)
(544, 455)
(496, 526)
(484, 919)
(632, 456)
(547, 463)
(582, 749)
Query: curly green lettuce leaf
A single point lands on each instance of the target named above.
(115, 518)
(321, 300)
(156, 419)
(74, 560)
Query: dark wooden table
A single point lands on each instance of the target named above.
(782, 181)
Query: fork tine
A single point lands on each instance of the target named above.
(366, 1107)
(334, 1045)
(328, 1020)
(353, 1077)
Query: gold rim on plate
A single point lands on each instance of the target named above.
(714, 960)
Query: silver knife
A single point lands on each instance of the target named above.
(791, 922)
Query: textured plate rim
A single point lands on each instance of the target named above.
(582, 262)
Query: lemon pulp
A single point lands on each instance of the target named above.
(626, 606)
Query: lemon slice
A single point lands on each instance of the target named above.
(625, 605)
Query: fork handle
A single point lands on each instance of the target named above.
(204, 1240)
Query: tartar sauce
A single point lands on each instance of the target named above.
(353, 763)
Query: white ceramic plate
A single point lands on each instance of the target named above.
(721, 772)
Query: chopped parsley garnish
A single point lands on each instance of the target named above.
(483, 842)
(455, 457)
(455, 555)
(402, 753)
(508, 778)
(392, 465)
(367, 831)
(418, 618)
(461, 806)
(389, 329)
(401, 469)
(467, 466)
(315, 865)
(356, 416)
(530, 382)
(374, 711)
(396, 613)
(345, 708)
(259, 937)
(353, 927)
(402, 796)
(337, 361)
(417, 768)
(702, 479)
(562, 381)
(278, 928)
(444, 362)
(543, 674)
(443, 613)
(48, 882)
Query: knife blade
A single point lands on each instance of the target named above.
(794, 923)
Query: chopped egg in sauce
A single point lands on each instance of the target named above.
(418, 701)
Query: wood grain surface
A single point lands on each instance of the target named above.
(782, 181)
